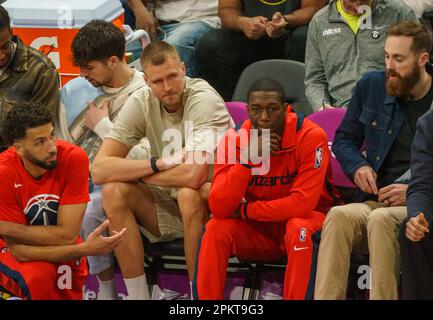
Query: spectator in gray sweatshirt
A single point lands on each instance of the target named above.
(346, 40)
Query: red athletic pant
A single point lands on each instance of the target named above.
(297, 238)
(42, 280)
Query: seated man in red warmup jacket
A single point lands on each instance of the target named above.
(43, 197)
(268, 206)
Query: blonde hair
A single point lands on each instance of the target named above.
(157, 52)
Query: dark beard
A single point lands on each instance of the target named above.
(45, 165)
(42, 164)
(401, 87)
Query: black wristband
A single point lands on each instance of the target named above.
(153, 164)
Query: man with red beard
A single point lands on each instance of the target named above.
(382, 115)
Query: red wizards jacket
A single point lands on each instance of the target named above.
(298, 180)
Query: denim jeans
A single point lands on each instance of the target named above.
(184, 37)
(93, 218)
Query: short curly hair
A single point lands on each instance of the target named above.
(23, 116)
(269, 85)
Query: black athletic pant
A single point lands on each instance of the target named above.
(416, 266)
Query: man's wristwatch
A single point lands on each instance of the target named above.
(153, 165)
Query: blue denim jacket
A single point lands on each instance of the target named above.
(374, 118)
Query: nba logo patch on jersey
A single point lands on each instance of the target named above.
(78, 262)
(319, 157)
(303, 235)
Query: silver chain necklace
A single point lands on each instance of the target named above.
(114, 92)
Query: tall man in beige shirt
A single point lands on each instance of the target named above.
(161, 193)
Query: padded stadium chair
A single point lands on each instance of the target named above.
(289, 73)
(428, 16)
(162, 256)
(329, 120)
(169, 257)
(237, 111)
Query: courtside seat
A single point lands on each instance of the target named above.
(238, 111)
(290, 74)
(329, 120)
(162, 256)
(428, 16)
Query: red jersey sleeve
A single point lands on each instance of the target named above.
(313, 156)
(230, 180)
(76, 175)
